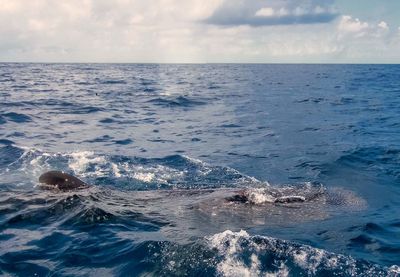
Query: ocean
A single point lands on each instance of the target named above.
(166, 145)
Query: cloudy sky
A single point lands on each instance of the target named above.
(262, 31)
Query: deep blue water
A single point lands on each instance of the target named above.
(164, 145)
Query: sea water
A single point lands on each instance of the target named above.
(163, 145)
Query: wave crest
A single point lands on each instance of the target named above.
(241, 254)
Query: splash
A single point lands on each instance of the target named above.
(241, 254)
(137, 173)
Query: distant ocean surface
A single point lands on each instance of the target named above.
(164, 145)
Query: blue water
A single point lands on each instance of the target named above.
(164, 144)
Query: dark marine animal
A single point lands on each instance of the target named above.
(61, 181)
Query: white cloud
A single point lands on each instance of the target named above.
(265, 12)
(174, 31)
(283, 12)
(298, 11)
(383, 25)
(100, 30)
(279, 12)
(349, 26)
(367, 41)
(9, 6)
(352, 25)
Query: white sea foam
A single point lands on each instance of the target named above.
(203, 167)
(33, 161)
(144, 177)
(116, 170)
(229, 244)
(88, 164)
(395, 269)
(79, 162)
(152, 173)
(240, 256)
(231, 266)
(259, 196)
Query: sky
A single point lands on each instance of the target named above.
(200, 31)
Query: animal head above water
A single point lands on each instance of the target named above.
(61, 180)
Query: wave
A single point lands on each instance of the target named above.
(112, 82)
(33, 209)
(209, 191)
(180, 101)
(14, 117)
(379, 161)
(240, 254)
(171, 172)
(132, 173)
(154, 208)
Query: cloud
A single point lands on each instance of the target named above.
(383, 25)
(267, 12)
(175, 31)
(349, 26)
(100, 30)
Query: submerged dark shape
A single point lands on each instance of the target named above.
(61, 180)
(66, 182)
(243, 197)
(306, 192)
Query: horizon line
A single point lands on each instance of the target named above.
(205, 63)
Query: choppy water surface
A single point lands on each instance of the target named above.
(166, 146)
